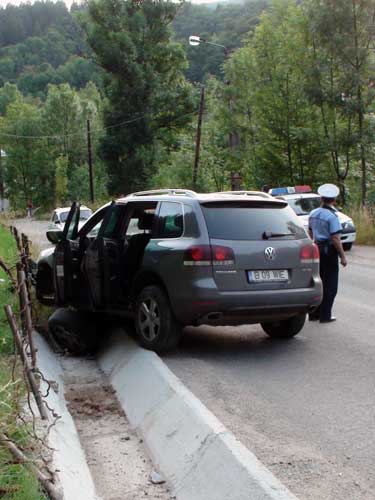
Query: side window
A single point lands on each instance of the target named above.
(171, 220)
(140, 222)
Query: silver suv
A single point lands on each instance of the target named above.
(171, 258)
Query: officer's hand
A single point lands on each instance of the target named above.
(344, 262)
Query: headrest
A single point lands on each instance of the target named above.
(145, 222)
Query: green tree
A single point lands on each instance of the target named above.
(280, 131)
(147, 95)
(342, 32)
(29, 167)
(61, 180)
(8, 94)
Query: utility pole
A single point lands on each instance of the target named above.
(198, 138)
(89, 151)
(234, 139)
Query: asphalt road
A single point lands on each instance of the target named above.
(304, 406)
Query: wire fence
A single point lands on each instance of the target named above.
(26, 378)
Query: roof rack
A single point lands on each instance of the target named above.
(261, 194)
(170, 192)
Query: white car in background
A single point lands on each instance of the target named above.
(60, 215)
(303, 201)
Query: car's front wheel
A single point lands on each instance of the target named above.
(285, 328)
(156, 325)
(347, 246)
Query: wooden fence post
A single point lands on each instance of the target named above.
(25, 360)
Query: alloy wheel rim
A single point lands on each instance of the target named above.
(149, 319)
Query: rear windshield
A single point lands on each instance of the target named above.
(239, 222)
(303, 206)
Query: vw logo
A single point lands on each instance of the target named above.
(270, 253)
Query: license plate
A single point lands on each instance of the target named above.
(265, 275)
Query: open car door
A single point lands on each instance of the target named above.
(101, 263)
(66, 267)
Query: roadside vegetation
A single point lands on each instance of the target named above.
(16, 482)
(364, 221)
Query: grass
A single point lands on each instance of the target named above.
(364, 220)
(16, 482)
(8, 255)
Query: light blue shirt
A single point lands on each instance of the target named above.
(324, 223)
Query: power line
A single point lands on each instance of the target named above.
(61, 136)
(82, 132)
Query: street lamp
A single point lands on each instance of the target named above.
(194, 41)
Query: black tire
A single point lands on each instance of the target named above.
(347, 246)
(285, 328)
(73, 331)
(157, 328)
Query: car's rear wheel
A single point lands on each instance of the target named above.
(72, 331)
(156, 325)
(285, 328)
(347, 246)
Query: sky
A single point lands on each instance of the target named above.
(3, 3)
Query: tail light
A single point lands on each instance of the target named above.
(199, 255)
(207, 255)
(222, 256)
(309, 254)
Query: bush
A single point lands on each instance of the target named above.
(364, 220)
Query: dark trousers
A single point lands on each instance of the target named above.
(329, 274)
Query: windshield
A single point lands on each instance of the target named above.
(303, 206)
(83, 215)
(250, 223)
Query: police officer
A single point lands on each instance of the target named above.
(325, 229)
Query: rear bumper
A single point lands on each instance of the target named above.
(208, 305)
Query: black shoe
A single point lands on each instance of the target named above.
(313, 318)
(330, 320)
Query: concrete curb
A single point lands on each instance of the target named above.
(69, 458)
(200, 458)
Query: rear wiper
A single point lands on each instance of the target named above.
(268, 235)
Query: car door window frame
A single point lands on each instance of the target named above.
(94, 221)
(73, 212)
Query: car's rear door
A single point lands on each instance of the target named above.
(256, 245)
(66, 267)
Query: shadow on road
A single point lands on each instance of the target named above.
(239, 343)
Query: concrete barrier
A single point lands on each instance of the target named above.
(68, 458)
(199, 457)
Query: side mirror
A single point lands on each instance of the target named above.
(54, 236)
